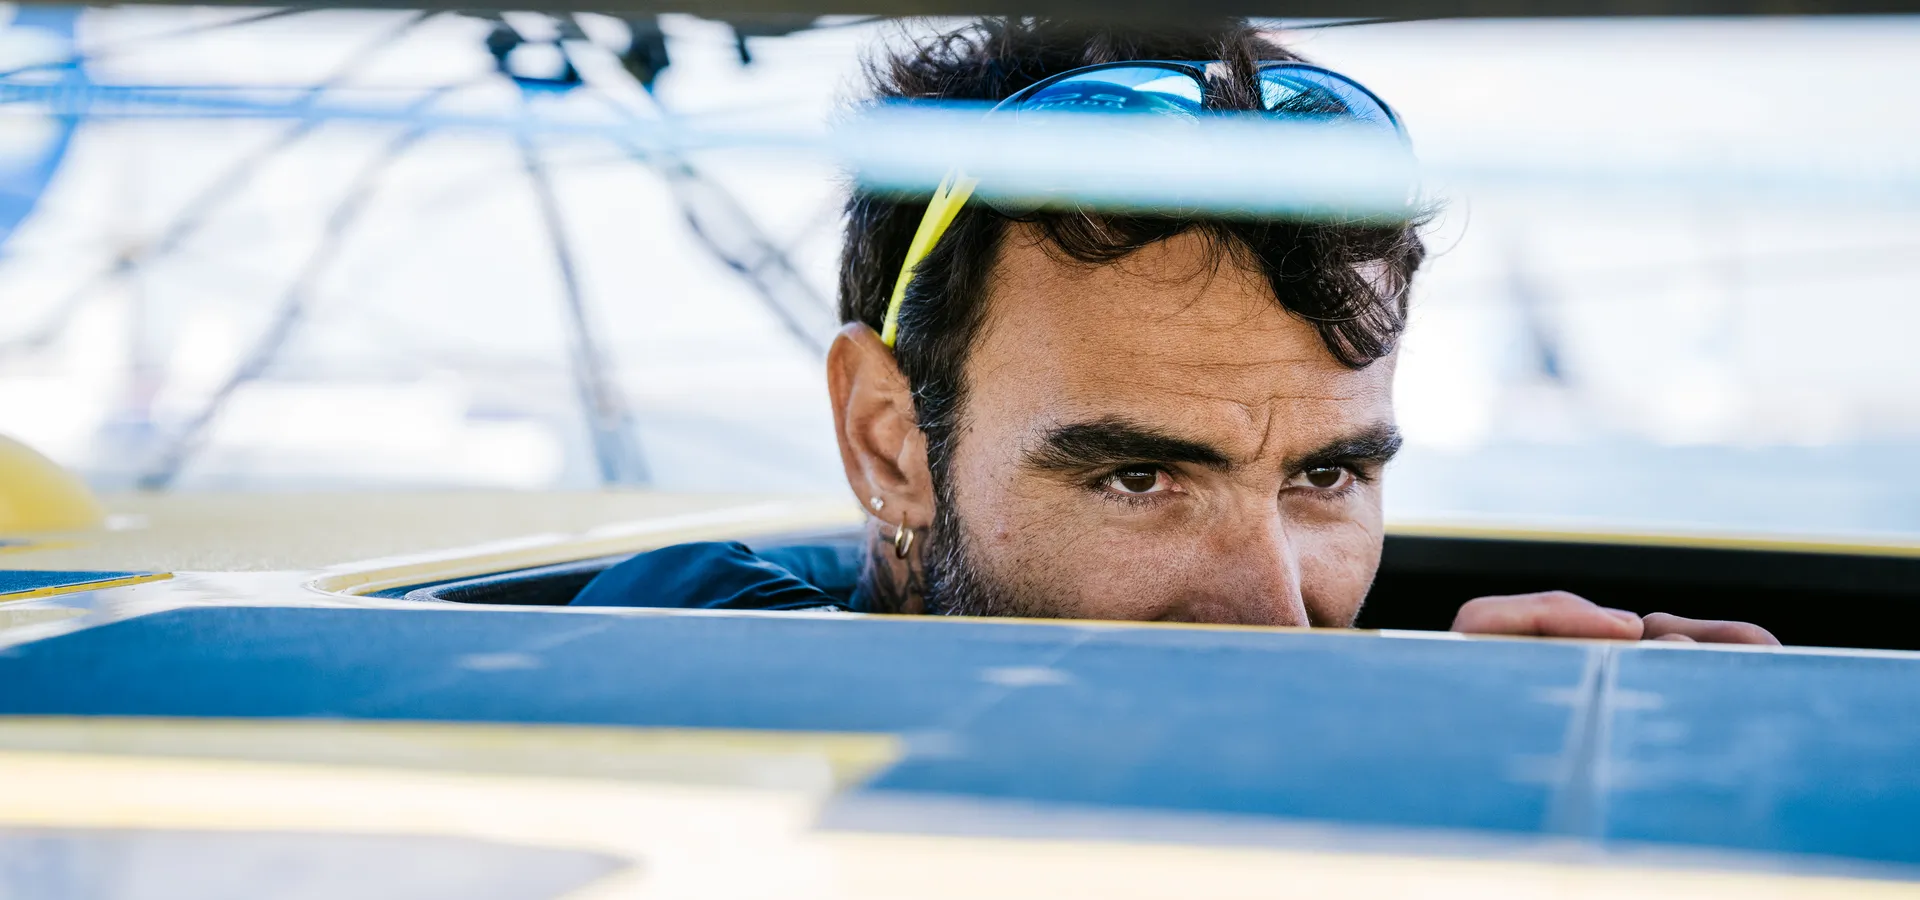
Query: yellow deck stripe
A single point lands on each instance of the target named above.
(81, 587)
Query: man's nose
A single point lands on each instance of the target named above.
(1255, 575)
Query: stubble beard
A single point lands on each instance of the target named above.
(956, 582)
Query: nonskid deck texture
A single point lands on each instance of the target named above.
(1804, 761)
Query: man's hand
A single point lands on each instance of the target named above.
(1560, 614)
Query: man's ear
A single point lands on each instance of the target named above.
(881, 446)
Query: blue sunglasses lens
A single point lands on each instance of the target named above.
(1288, 90)
(1306, 92)
(1121, 89)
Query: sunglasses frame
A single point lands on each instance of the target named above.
(1198, 72)
(951, 196)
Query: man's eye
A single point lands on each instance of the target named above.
(1138, 481)
(1327, 477)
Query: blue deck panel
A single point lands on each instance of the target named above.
(503, 666)
(1794, 754)
(1762, 751)
(1411, 733)
(1206, 720)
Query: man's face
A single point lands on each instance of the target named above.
(1156, 439)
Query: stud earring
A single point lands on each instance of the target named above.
(876, 503)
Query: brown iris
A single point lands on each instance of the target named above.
(1324, 476)
(1136, 481)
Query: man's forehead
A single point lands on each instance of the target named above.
(1174, 332)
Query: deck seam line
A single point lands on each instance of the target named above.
(1577, 808)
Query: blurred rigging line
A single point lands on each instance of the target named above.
(24, 176)
(446, 196)
(728, 231)
(202, 206)
(717, 219)
(91, 55)
(609, 422)
(1324, 24)
(887, 146)
(189, 439)
(1535, 301)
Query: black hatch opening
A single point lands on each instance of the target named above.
(1804, 598)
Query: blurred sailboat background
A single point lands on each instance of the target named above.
(270, 303)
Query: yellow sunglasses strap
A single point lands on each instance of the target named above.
(946, 203)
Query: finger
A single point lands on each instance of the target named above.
(1548, 614)
(1708, 631)
(1676, 638)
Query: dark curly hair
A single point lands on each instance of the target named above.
(1349, 280)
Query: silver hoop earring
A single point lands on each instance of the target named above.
(902, 541)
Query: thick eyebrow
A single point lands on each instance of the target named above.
(1375, 444)
(1108, 442)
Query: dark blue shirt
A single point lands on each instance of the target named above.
(729, 575)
